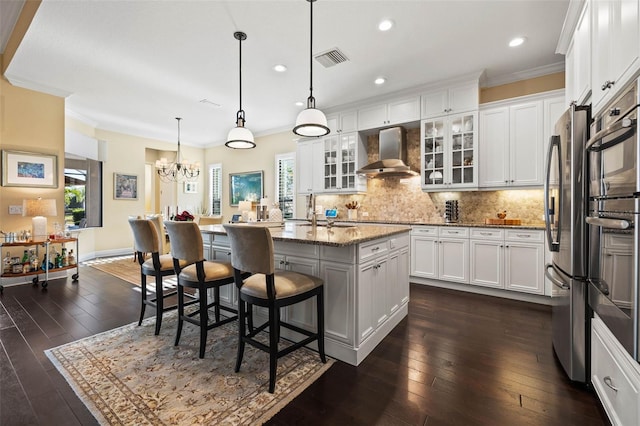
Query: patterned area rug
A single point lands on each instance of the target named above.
(130, 376)
(126, 269)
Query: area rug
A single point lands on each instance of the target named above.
(129, 376)
(126, 269)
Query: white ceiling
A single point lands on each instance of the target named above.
(132, 66)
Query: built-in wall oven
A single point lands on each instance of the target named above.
(614, 210)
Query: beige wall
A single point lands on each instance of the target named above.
(544, 83)
(34, 122)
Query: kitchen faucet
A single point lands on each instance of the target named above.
(311, 209)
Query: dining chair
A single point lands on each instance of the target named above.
(252, 252)
(195, 272)
(147, 238)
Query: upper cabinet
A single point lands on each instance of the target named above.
(343, 122)
(451, 100)
(578, 60)
(448, 152)
(512, 140)
(395, 112)
(343, 155)
(310, 172)
(615, 53)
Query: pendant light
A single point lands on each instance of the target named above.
(311, 121)
(240, 137)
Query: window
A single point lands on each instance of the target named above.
(82, 193)
(215, 189)
(285, 183)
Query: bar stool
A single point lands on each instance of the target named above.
(201, 274)
(147, 238)
(252, 251)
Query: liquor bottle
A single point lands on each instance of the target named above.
(72, 258)
(65, 258)
(58, 260)
(25, 257)
(6, 264)
(45, 263)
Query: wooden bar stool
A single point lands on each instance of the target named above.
(252, 251)
(147, 238)
(200, 274)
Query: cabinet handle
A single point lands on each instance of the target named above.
(282, 262)
(501, 246)
(485, 233)
(375, 249)
(507, 246)
(608, 84)
(524, 235)
(228, 253)
(609, 382)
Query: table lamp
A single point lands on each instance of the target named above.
(38, 209)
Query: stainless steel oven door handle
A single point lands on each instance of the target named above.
(608, 223)
(624, 123)
(558, 282)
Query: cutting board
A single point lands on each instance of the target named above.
(503, 221)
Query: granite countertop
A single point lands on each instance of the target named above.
(337, 236)
(532, 226)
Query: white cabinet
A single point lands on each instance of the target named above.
(339, 299)
(395, 112)
(440, 253)
(486, 253)
(524, 261)
(615, 376)
(513, 138)
(309, 166)
(578, 60)
(301, 314)
(615, 49)
(448, 152)
(343, 122)
(343, 155)
(451, 100)
(453, 254)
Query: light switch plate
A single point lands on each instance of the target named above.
(15, 209)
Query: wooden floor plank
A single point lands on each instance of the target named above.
(458, 358)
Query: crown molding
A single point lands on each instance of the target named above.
(525, 75)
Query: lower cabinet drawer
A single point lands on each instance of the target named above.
(614, 376)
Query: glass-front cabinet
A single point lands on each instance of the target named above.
(449, 152)
(343, 155)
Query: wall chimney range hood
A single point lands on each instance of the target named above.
(392, 154)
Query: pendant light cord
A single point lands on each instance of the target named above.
(311, 52)
(240, 70)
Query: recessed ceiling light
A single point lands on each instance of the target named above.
(385, 25)
(516, 41)
(380, 80)
(279, 68)
(299, 103)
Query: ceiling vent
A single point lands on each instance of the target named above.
(331, 57)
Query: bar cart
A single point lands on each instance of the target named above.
(43, 269)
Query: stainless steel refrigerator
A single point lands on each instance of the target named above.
(565, 205)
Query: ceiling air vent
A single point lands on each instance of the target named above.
(331, 57)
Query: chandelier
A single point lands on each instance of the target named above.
(179, 170)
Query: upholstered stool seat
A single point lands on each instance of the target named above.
(252, 252)
(195, 272)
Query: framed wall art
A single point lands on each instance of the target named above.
(245, 186)
(29, 169)
(125, 187)
(191, 187)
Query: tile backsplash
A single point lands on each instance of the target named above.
(398, 199)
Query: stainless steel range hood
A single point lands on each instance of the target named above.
(393, 156)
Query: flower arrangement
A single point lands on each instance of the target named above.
(185, 216)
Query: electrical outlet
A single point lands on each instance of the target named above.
(365, 214)
(15, 209)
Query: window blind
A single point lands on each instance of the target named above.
(215, 189)
(285, 184)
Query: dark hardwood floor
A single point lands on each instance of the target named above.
(457, 359)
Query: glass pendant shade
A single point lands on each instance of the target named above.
(311, 122)
(240, 138)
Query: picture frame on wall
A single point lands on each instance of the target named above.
(246, 186)
(125, 186)
(191, 187)
(29, 169)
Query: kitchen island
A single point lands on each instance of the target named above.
(365, 269)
